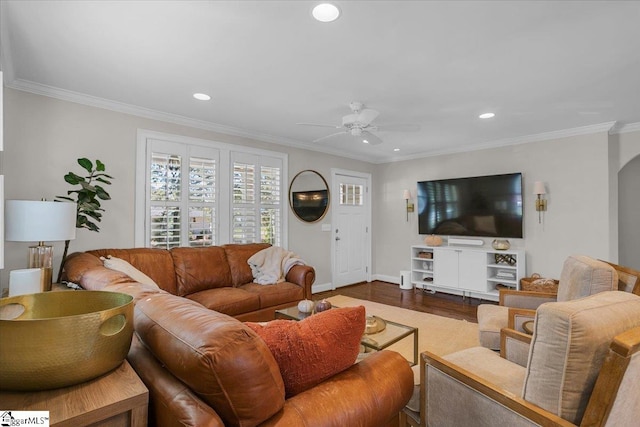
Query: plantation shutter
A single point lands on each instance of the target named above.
(256, 212)
(182, 195)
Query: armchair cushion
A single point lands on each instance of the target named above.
(569, 345)
(582, 276)
(314, 349)
(491, 318)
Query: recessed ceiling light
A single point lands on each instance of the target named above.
(396, 149)
(486, 115)
(201, 96)
(326, 12)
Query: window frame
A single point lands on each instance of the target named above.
(224, 182)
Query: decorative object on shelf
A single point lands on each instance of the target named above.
(505, 259)
(501, 244)
(58, 339)
(306, 306)
(541, 204)
(88, 206)
(425, 255)
(406, 195)
(323, 305)
(40, 221)
(433, 240)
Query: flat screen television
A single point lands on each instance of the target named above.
(487, 206)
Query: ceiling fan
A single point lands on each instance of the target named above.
(360, 125)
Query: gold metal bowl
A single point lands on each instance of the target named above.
(57, 339)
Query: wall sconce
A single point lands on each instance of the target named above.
(406, 195)
(541, 204)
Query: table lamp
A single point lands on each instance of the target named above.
(40, 221)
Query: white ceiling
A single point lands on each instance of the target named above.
(540, 66)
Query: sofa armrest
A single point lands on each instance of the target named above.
(462, 398)
(171, 402)
(525, 299)
(364, 395)
(302, 275)
(514, 346)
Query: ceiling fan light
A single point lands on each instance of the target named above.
(325, 12)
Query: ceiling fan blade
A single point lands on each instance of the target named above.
(367, 116)
(399, 127)
(320, 125)
(329, 136)
(370, 138)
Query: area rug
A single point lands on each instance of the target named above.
(437, 334)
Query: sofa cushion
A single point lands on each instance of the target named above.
(238, 256)
(230, 301)
(277, 294)
(198, 269)
(223, 361)
(569, 345)
(316, 348)
(582, 276)
(155, 263)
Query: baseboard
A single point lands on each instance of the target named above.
(385, 278)
(321, 287)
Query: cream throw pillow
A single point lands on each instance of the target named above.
(123, 266)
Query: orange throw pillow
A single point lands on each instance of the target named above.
(314, 349)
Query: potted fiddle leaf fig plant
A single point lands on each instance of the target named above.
(87, 197)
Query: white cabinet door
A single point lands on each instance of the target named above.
(472, 271)
(445, 267)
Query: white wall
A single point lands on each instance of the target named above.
(45, 136)
(629, 199)
(578, 178)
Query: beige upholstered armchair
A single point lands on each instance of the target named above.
(581, 276)
(582, 369)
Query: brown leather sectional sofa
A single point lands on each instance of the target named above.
(218, 277)
(205, 368)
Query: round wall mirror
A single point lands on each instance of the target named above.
(309, 196)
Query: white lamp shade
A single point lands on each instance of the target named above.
(406, 195)
(538, 188)
(36, 221)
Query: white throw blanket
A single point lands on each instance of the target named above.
(270, 265)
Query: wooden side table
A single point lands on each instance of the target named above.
(116, 399)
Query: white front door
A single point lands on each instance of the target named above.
(351, 213)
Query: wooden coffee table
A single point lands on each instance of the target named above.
(392, 333)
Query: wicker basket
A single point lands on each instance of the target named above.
(535, 283)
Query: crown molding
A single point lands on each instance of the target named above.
(565, 133)
(93, 101)
(625, 128)
(120, 107)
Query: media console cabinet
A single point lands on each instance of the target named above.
(474, 272)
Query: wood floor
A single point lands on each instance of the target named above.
(442, 304)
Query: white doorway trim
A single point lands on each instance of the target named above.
(335, 200)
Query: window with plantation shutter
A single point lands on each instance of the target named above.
(257, 202)
(192, 192)
(182, 195)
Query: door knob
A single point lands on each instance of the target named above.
(337, 238)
